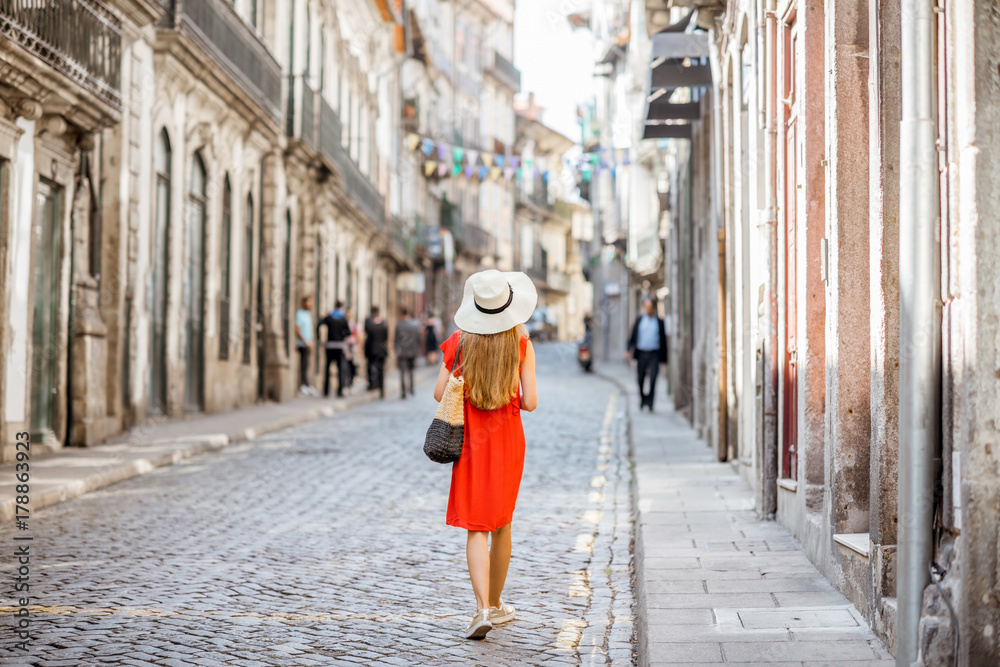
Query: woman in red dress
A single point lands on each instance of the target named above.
(498, 364)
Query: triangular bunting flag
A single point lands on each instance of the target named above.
(545, 176)
(472, 155)
(508, 172)
(482, 172)
(412, 140)
(442, 169)
(428, 146)
(442, 151)
(515, 162)
(499, 160)
(520, 173)
(429, 167)
(468, 171)
(456, 169)
(495, 172)
(488, 159)
(457, 152)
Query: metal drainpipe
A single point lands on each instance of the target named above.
(919, 320)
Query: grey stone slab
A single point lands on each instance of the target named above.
(659, 620)
(708, 600)
(814, 583)
(797, 618)
(683, 653)
(788, 651)
(816, 599)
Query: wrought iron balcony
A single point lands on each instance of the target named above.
(539, 269)
(310, 119)
(473, 239)
(330, 130)
(504, 71)
(361, 190)
(300, 114)
(79, 38)
(215, 27)
(537, 196)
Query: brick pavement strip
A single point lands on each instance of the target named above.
(714, 585)
(325, 544)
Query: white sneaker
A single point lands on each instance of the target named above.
(479, 625)
(501, 614)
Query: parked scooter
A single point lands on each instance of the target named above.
(583, 354)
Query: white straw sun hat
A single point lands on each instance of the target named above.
(496, 301)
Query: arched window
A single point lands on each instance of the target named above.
(156, 400)
(194, 289)
(247, 275)
(225, 239)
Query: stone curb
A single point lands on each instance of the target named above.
(146, 458)
(640, 625)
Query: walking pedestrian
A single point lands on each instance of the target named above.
(376, 350)
(337, 333)
(648, 346)
(495, 358)
(352, 350)
(430, 341)
(304, 344)
(407, 345)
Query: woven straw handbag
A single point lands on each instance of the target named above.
(443, 443)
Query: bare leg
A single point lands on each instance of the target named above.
(499, 561)
(477, 552)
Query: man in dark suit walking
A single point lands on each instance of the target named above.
(648, 346)
(376, 350)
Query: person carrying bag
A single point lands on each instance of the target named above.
(490, 363)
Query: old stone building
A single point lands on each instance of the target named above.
(171, 192)
(832, 280)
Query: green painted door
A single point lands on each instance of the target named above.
(45, 325)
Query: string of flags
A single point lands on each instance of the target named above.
(603, 159)
(447, 160)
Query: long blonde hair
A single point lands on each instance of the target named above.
(491, 365)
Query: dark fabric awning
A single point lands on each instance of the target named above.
(679, 59)
(665, 111)
(680, 131)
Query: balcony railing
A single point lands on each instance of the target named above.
(215, 27)
(300, 114)
(401, 241)
(360, 190)
(505, 72)
(537, 196)
(79, 38)
(473, 239)
(330, 130)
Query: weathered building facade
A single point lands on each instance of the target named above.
(172, 191)
(835, 270)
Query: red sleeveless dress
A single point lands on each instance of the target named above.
(486, 478)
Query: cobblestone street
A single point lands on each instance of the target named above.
(325, 544)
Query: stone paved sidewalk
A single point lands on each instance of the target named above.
(73, 471)
(715, 585)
